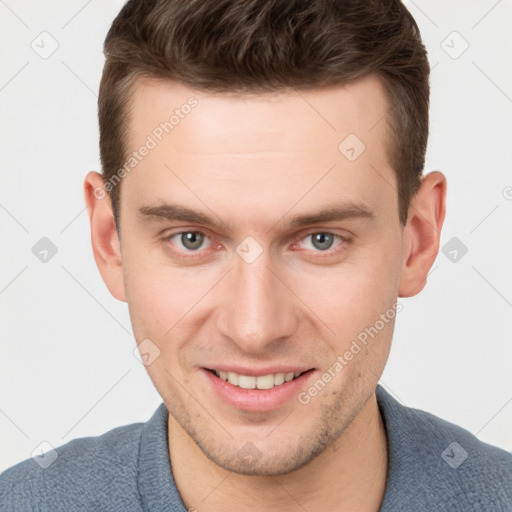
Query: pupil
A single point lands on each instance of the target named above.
(322, 240)
(192, 240)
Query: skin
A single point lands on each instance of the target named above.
(253, 163)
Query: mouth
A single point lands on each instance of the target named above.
(268, 381)
(262, 390)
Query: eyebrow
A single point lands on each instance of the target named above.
(174, 212)
(334, 212)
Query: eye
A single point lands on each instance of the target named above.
(189, 240)
(322, 241)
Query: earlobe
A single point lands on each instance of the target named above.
(104, 237)
(422, 233)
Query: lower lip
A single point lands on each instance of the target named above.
(257, 400)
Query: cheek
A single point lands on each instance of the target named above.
(161, 297)
(160, 300)
(351, 297)
(356, 303)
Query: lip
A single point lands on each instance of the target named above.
(251, 372)
(257, 400)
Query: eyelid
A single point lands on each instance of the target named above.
(167, 235)
(329, 231)
(296, 239)
(343, 240)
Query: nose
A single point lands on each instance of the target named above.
(258, 309)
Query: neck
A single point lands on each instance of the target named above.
(348, 475)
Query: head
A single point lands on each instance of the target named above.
(264, 208)
(256, 47)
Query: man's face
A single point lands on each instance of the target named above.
(258, 292)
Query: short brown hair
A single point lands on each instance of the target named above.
(256, 46)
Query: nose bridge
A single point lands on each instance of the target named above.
(259, 310)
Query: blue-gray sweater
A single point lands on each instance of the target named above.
(433, 466)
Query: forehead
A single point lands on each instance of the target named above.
(251, 120)
(259, 148)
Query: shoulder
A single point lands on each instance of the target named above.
(85, 474)
(433, 461)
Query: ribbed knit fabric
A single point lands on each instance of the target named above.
(434, 466)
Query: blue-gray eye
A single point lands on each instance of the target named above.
(322, 241)
(191, 240)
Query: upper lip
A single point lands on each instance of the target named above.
(257, 372)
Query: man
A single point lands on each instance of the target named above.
(261, 209)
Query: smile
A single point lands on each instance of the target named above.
(260, 382)
(258, 389)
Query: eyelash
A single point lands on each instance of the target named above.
(343, 240)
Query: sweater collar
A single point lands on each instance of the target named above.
(157, 486)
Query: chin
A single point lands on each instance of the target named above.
(271, 460)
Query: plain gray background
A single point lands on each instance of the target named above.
(67, 366)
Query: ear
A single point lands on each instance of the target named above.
(105, 241)
(422, 233)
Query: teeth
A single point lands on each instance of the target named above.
(279, 379)
(247, 382)
(265, 381)
(232, 378)
(261, 382)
